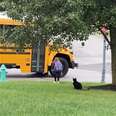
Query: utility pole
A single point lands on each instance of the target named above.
(104, 61)
(104, 31)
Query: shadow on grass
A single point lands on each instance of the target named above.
(103, 87)
(33, 75)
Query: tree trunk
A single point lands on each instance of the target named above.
(113, 55)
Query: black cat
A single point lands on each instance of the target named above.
(76, 84)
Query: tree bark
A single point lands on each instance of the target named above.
(113, 55)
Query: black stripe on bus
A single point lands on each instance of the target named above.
(14, 48)
(15, 53)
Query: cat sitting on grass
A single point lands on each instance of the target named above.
(78, 85)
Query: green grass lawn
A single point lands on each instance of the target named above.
(36, 98)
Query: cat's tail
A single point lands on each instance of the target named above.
(85, 88)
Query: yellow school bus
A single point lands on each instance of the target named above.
(38, 58)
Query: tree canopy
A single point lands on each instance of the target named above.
(60, 20)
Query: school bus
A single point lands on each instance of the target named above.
(38, 58)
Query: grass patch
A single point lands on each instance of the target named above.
(33, 98)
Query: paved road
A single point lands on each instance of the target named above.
(90, 73)
(85, 73)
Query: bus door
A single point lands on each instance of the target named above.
(38, 57)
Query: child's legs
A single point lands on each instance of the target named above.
(58, 75)
(58, 78)
(55, 78)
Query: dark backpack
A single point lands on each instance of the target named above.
(57, 66)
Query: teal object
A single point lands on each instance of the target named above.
(2, 72)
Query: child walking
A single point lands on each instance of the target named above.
(57, 69)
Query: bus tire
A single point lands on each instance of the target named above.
(65, 67)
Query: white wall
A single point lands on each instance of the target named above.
(93, 49)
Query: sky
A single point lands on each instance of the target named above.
(3, 15)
